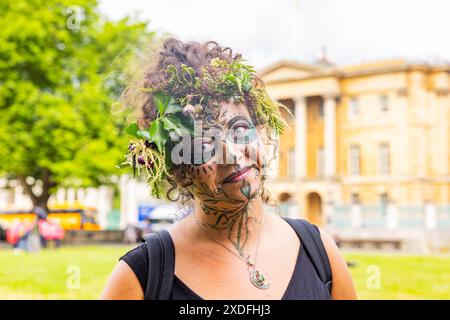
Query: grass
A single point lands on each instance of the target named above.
(51, 274)
(400, 276)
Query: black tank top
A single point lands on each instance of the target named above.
(305, 283)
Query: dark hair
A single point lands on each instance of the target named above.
(196, 56)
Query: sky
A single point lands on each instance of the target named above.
(266, 31)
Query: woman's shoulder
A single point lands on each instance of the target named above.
(343, 286)
(137, 260)
(129, 277)
(139, 252)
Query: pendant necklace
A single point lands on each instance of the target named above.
(257, 278)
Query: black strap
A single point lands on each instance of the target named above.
(161, 259)
(309, 235)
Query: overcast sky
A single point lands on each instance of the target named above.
(265, 31)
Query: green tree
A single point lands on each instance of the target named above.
(61, 69)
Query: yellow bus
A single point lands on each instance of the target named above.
(75, 218)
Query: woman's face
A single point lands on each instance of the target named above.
(231, 170)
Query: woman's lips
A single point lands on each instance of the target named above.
(237, 176)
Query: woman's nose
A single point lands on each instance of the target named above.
(232, 153)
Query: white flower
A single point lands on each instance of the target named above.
(188, 109)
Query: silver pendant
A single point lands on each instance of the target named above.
(258, 279)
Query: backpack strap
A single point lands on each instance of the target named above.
(161, 269)
(309, 235)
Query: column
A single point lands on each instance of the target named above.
(129, 201)
(60, 196)
(355, 216)
(430, 216)
(19, 197)
(123, 189)
(300, 137)
(330, 136)
(104, 205)
(52, 201)
(80, 196)
(90, 197)
(71, 196)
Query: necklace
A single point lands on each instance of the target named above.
(256, 277)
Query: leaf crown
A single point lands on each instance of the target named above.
(178, 99)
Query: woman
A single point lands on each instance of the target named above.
(228, 247)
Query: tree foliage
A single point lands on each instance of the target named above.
(61, 68)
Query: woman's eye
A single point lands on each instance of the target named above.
(240, 130)
(207, 143)
(242, 133)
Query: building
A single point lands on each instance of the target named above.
(369, 145)
(14, 198)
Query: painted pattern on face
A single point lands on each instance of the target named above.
(225, 189)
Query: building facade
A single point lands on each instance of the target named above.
(14, 198)
(368, 145)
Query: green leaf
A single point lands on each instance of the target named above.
(122, 165)
(172, 123)
(144, 134)
(168, 160)
(187, 124)
(173, 107)
(161, 101)
(133, 130)
(160, 137)
(153, 128)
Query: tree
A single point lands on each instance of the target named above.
(61, 66)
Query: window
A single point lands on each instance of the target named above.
(384, 103)
(353, 108)
(321, 110)
(320, 162)
(355, 198)
(355, 159)
(384, 158)
(384, 202)
(291, 164)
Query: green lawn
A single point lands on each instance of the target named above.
(401, 276)
(47, 275)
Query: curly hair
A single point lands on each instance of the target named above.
(196, 56)
(192, 54)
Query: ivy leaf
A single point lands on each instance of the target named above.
(133, 130)
(143, 134)
(173, 107)
(152, 129)
(160, 136)
(187, 124)
(172, 123)
(161, 101)
(168, 160)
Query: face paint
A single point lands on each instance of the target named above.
(224, 188)
(241, 131)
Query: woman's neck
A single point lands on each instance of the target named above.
(237, 230)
